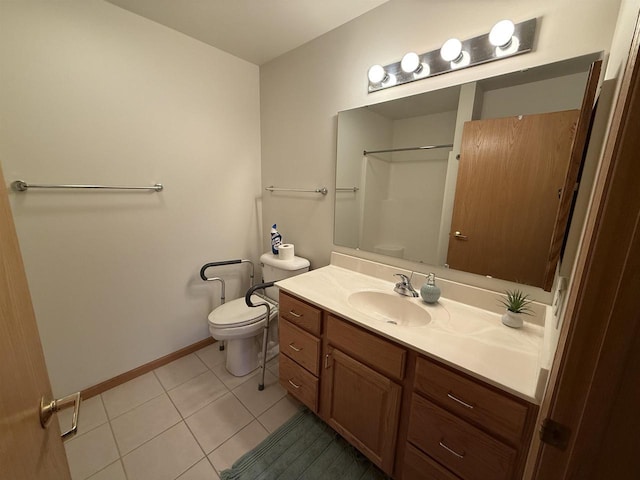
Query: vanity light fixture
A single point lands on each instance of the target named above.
(410, 63)
(377, 74)
(504, 40)
(502, 33)
(451, 50)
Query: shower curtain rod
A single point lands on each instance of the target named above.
(426, 147)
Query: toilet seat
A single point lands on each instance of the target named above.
(236, 313)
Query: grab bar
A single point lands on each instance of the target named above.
(222, 263)
(265, 335)
(22, 186)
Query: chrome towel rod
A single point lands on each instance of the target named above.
(322, 190)
(22, 186)
(347, 189)
(426, 147)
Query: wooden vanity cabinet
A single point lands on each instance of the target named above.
(300, 325)
(473, 430)
(415, 418)
(360, 397)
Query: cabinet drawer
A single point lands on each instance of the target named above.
(465, 450)
(300, 383)
(300, 346)
(376, 352)
(418, 466)
(302, 314)
(468, 399)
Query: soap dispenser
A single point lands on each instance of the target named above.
(429, 291)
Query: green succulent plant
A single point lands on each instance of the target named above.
(517, 302)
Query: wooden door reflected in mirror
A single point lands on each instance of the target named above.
(510, 177)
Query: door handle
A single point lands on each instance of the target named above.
(48, 409)
(460, 236)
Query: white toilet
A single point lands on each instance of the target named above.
(242, 327)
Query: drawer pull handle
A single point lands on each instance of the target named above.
(294, 385)
(297, 315)
(453, 397)
(294, 348)
(459, 455)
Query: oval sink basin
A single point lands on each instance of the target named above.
(389, 308)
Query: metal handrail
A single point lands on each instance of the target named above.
(265, 335)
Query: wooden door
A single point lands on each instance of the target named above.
(511, 175)
(593, 385)
(27, 451)
(363, 406)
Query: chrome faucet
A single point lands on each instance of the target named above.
(403, 287)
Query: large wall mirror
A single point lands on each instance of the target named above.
(471, 176)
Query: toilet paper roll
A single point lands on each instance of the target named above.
(285, 251)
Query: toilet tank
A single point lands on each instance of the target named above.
(274, 269)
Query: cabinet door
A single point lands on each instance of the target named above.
(362, 405)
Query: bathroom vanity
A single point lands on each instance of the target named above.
(453, 398)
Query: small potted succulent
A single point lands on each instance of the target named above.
(517, 305)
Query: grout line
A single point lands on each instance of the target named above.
(104, 468)
(229, 390)
(113, 435)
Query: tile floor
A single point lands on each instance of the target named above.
(187, 420)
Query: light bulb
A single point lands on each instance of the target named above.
(451, 50)
(462, 61)
(377, 74)
(410, 63)
(501, 33)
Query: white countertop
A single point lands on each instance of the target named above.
(469, 338)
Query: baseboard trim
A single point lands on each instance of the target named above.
(141, 370)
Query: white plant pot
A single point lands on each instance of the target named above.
(513, 320)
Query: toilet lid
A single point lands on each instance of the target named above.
(236, 313)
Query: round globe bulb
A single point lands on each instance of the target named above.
(501, 33)
(376, 74)
(410, 63)
(451, 50)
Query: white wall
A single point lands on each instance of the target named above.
(302, 90)
(551, 95)
(377, 131)
(90, 93)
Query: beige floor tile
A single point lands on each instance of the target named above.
(165, 457)
(273, 366)
(144, 422)
(91, 452)
(217, 422)
(129, 395)
(191, 396)
(257, 402)
(229, 380)
(211, 355)
(92, 415)
(115, 471)
(179, 371)
(283, 410)
(242, 442)
(200, 471)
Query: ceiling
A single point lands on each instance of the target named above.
(255, 30)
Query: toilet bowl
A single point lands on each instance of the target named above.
(242, 327)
